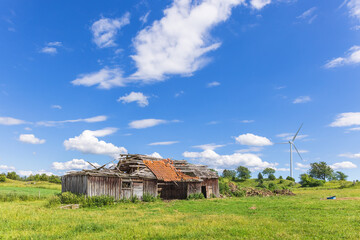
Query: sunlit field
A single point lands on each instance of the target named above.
(306, 215)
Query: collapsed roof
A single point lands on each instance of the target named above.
(146, 167)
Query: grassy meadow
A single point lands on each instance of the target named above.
(304, 216)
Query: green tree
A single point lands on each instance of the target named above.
(268, 171)
(13, 176)
(272, 177)
(290, 179)
(2, 178)
(341, 176)
(321, 171)
(229, 173)
(260, 176)
(44, 177)
(243, 173)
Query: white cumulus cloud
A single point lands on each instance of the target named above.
(51, 48)
(155, 155)
(105, 30)
(250, 139)
(290, 136)
(352, 57)
(162, 143)
(350, 155)
(138, 97)
(75, 164)
(343, 165)
(259, 4)
(95, 119)
(10, 121)
(177, 43)
(302, 99)
(7, 168)
(346, 120)
(30, 138)
(56, 106)
(88, 143)
(354, 7)
(213, 84)
(105, 78)
(302, 166)
(209, 146)
(146, 123)
(211, 158)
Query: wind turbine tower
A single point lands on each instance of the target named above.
(291, 143)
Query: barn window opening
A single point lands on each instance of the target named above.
(126, 185)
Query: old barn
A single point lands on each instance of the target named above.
(135, 175)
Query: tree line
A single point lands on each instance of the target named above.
(318, 173)
(36, 177)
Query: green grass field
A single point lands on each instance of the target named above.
(44, 189)
(304, 216)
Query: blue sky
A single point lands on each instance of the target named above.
(213, 82)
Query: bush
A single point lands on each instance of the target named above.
(148, 198)
(261, 185)
(272, 177)
(70, 198)
(224, 188)
(292, 184)
(195, 196)
(239, 193)
(281, 181)
(2, 178)
(290, 179)
(307, 181)
(280, 177)
(212, 195)
(272, 186)
(98, 201)
(134, 199)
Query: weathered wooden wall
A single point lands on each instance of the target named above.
(212, 187)
(102, 185)
(172, 190)
(194, 187)
(74, 184)
(150, 187)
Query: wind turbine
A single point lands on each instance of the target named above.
(291, 143)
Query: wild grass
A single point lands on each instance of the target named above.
(13, 190)
(304, 216)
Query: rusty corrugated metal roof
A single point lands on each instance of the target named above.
(164, 170)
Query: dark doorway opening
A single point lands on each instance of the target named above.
(203, 190)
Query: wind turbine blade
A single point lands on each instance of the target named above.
(297, 132)
(297, 151)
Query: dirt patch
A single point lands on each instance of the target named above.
(249, 192)
(70, 206)
(348, 198)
